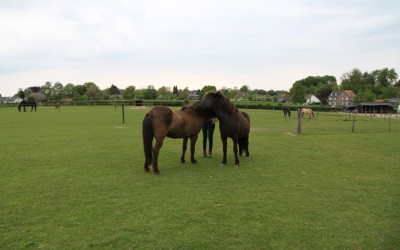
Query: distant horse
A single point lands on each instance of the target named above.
(25, 103)
(232, 123)
(286, 112)
(161, 122)
(57, 106)
(307, 111)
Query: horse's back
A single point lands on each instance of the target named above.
(185, 123)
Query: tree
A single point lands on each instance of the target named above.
(150, 93)
(184, 94)
(175, 90)
(165, 93)
(129, 93)
(114, 90)
(298, 92)
(323, 91)
(93, 92)
(352, 80)
(244, 89)
(58, 91)
(206, 89)
(48, 90)
(69, 90)
(21, 94)
(364, 96)
(79, 93)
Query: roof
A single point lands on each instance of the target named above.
(375, 104)
(348, 92)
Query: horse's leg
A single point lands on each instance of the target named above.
(24, 108)
(156, 151)
(193, 140)
(246, 143)
(224, 146)
(184, 147)
(240, 147)
(235, 151)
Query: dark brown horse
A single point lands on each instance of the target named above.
(232, 123)
(286, 112)
(161, 122)
(24, 104)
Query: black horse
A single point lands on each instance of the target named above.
(286, 112)
(232, 122)
(24, 103)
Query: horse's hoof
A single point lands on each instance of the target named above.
(146, 170)
(236, 165)
(223, 165)
(183, 161)
(194, 161)
(157, 172)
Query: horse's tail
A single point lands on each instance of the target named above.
(148, 134)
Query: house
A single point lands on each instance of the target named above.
(193, 94)
(312, 99)
(283, 98)
(341, 98)
(10, 100)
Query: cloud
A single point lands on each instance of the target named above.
(221, 41)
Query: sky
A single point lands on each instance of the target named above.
(264, 44)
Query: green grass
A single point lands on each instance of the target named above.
(74, 180)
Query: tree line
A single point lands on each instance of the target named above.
(368, 86)
(89, 91)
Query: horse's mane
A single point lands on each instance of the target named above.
(223, 101)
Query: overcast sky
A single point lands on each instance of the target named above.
(227, 43)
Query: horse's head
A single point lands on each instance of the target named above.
(205, 105)
(215, 103)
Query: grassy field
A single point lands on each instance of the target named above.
(74, 180)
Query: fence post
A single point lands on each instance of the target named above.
(298, 121)
(123, 114)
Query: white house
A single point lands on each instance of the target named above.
(312, 99)
(7, 100)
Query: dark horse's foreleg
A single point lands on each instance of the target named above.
(193, 140)
(224, 147)
(184, 147)
(235, 151)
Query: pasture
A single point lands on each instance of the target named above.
(74, 180)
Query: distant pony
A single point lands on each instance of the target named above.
(25, 103)
(286, 112)
(57, 106)
(307, 111)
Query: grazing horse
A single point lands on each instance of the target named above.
(57, 106)
(286, 112)
(232, 123)
(309, 112)
(25, 103)
(161, 122)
